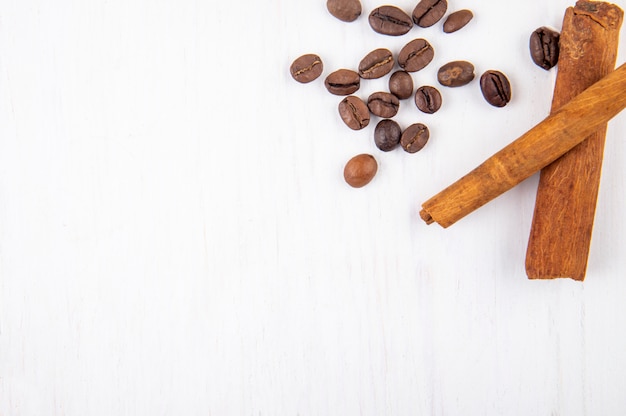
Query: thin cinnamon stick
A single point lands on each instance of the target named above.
(544, 143)
(561, 229)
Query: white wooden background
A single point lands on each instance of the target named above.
(176, 237)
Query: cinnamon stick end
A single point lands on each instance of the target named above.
(426, 217)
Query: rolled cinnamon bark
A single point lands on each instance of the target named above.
(540, 146)
(562, 224)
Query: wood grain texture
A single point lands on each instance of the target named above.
(560, 236)
(541, 145)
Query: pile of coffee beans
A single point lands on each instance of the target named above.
(357, 112)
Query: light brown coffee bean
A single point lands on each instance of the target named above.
(401, 84)
(343, 82)
(457, 20)
(354, 112)
(383, 104)
(415, 55)
(344, 10)
(306, 68)
(360, 170)
(376, 64)
(414, 138)
(456, 74)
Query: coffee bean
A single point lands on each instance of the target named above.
(376, 64)
(415, 55)
(343, 82)
(306, 68)
(544, 47)
(360, 170)
(401, 84)
(383, 104)
(456, 74)
(428, 99)
(387, 135)
(414, 137)
(390, 20)
(457, 20)
(429, 12)
(344, 10)
(495, 88)
(354, 112)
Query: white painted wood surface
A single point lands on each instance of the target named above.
(176, 237)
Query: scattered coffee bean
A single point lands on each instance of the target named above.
(456, 74)
(414, 137)
(496, 88)
(306, 68)
(415, 55)
(360, 170)
(401, 84)
(428, 99)
(544, 47)
(354, 112)
(390, 20)
(457, 20)
(376, 64)
(387, 135)
(429, 12)
(343, 82)
(383, 104)
(344, 10)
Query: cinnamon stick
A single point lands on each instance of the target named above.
(561, 229)
(544, 143)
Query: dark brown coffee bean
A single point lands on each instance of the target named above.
(383, 104)
(544, 47)
(456, 74)
(354, 112)
(415, 55)
(496, 88)
(387, 135)
(429, 12)
(390, 20)
(401, 84)
(414, 137)
(343, 82)
(306, 68)
(428, 99)
(376, 64)
(457, 20)
(344, 10)
(360, 170)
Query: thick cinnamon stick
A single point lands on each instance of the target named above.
(540, 146)
(562, 224)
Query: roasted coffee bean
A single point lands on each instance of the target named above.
(428, 99)
(376, 64)
(344, 10)
(401, 84)
(544, 47)
(414, 137)
(390, 20)
(354, 112)
(429, 12)
(306, 68)
(360, 170)
(387, 135)
(415, 55)
(383, 104)
(496, 88)
(343, 82)
(457, 20)
(456, 74)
